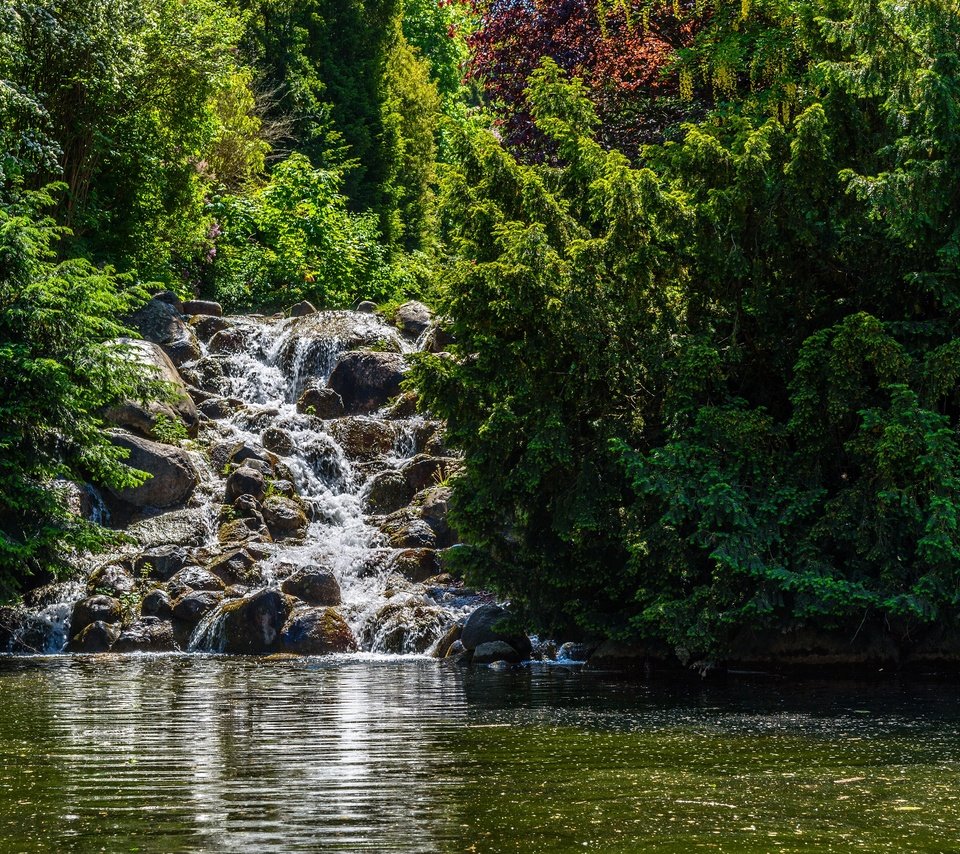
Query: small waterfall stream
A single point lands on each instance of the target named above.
(260, 367)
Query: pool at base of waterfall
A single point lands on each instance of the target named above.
(363, 754)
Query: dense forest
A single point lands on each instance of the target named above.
(699, 259)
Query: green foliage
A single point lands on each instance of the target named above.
(58, 371)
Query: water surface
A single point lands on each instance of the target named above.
(168, 754)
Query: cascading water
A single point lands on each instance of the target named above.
(330, 467)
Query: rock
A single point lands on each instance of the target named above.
(366, 307)
(149, 634)
(245, 481)
(438, 339)
(199, 306)
(207, 375)
(320, 401)
(246, 506)
(433, 505)
(157, 603)
(363, 438)
(412, 318)
(415, 564)
(192, 606)
(302, 309)
(187, 527)
(96, 637)
(367, 380)
(406, 628)
(170, 298)
(424, 471)
(218, 408)
(491, 651)
(483, 626)
(386, 492)
(236, 566)
(206, 326)
(284, 487)
(193, 578)
(233, 339)
(571, 651)
(173, 474)
(244, 531)
(161, 562)
(252, 625)
(278, 441)
(283, 515)
(442, 647)
(411, 534)
(225, 454)
(317, 631)
(111, 579)
(405, 406)
(104, 609)
(457, 651)
(160, 322)
(314, 585)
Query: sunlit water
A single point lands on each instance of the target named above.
(245, 755)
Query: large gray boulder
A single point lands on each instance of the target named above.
(320, 401)
(313, 585)
(366, 380)
(148, 634)
(386, 492)
(105, 609)
(245, 481)
(413, 318)
(173, 476)
(253, 624)
(145, 417)
(160, 321)
(203, 307)
(484, 626)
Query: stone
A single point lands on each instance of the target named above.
(313, 585)
(199, 306)
(363, 438)
(206, 326)
(236, 566)
(484, 626)
(161, 562)
(283, 515)
(434, 505)
(457, 651)
(366, 307)
(491, 651)
(245, 481)
(112, 579)
(233, 339)
(159, 321)
(207, 375)
(244, 531)
(320, 401)
(317, 631)
(424, 471)
(412, 318)
(572, 651)
(173, 474)
(193, 578)
(278, 441)
(405, 406)
(252, 625)
(386, 492)
(406, 628)
(170, 298)
(218, 408)
(413, 534)
(99, 608)
(186, 527)
(96, 637)
(157, 603)
(438, 339)
(415, 564)
(192, 606)
(452, 636)
(149, 634)
(302, 309)
(146, 417)
(366, 380)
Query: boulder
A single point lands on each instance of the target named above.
(161, 562)
(363, 438)
(484, 626)
(173, 474)
(452, 636)
(233, 339)
(245, 481)
(112, 579)
(386, 492)
(412, 318)
(438, 339)
(405, 406)
(278, 441)
(207, 375)
(406, 628)
(192, 606)
(415, 564)
(236, 566)
(199, 306)
(283, 515)
(491, 651)
(186, 527)
(317, 631)
(573, 651)
(320, 401)
(206, 326)
(157, 603)
(302, 309)
(410, 534)
(434, 505)
(96, 637)
(252, 625)
(366, 380)
(314, 585)
(159, 321)
(218, 408)
(104, 609)
(366, 307)
(147, 417)
(193, 578)
(148, 634)
(424, 471)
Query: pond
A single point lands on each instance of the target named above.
(200, 753)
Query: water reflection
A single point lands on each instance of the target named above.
(203, 754)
